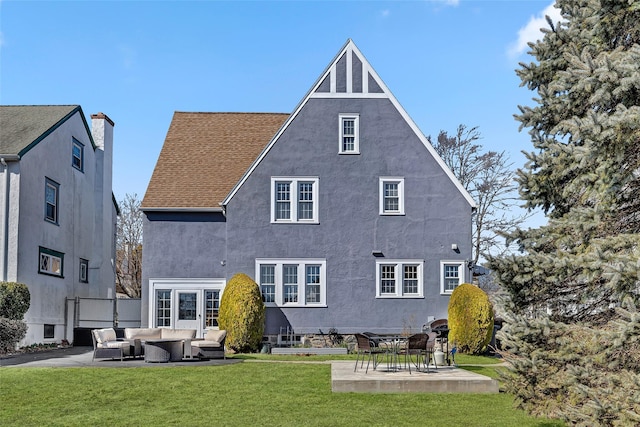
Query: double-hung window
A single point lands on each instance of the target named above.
(349, 134)
(268, 282)
(77, 155)
(294, 200)
(51, 262)
(391, 196)
(399, 279)
(51, 190)
(293, 282)
(451, 275)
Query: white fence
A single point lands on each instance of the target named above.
(92, 313)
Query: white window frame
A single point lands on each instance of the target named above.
(398, 265)
(48, 259)
(391, 180)
(294, 199)
(356, 133)
(173, 285)
(461, 274)
(302, 264)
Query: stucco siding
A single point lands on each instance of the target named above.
(182, 245)
(350, 227)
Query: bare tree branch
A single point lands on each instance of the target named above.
(129, 247)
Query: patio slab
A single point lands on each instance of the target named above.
(446, 379)
(75, 357)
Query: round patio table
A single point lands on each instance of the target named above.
(163, 350)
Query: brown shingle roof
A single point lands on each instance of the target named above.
(204, 155)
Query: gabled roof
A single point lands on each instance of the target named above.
(350, 75)
(203, 157)
(24, 126)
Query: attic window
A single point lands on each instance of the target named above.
(349, 134)
(77, 155)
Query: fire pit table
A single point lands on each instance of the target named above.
(163, 350)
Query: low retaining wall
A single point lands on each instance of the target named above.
(308, 350)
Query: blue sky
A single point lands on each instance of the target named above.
(447, 62)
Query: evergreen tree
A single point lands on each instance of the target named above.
(574, 349)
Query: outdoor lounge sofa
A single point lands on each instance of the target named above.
(107, 345)
(211, 347)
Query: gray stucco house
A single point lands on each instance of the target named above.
(57, 212)
(341, 211)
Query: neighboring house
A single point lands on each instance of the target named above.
(57, 211)
(342, 212)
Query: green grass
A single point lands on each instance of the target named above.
(242, 394)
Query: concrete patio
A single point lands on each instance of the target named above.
(445, 379)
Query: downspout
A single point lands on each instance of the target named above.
(5, 221)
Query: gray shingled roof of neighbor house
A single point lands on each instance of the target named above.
(204, 155)
(24, 125)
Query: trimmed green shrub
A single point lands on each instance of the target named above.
(14, 300)
(470, 319)
(11, 332)
(242, 314)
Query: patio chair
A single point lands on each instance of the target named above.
(416, 345)
(430, 350)
(367, 347)
(106, 345)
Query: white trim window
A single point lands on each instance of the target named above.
(451, 275)
(399, 279)
(349, 134)
(51, 262)
(294, 200)
(391, 196)
(293, 282)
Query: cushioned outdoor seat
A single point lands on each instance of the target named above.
(107, 345)
(211, 347)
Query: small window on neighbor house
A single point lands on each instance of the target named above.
(49, 331)
(77, 155)
(51, 189)
(391, 196)
(51, 262)
(84, 271)
(349, 134)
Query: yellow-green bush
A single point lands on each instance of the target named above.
(14, 300)
(470, 319)
(242, 314)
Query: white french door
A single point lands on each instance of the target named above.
(185, 303)
(189, 310)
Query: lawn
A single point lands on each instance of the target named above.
(242, 394)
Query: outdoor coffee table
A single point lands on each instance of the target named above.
(163, 350)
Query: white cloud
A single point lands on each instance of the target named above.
(385, 13)
(531, 32)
